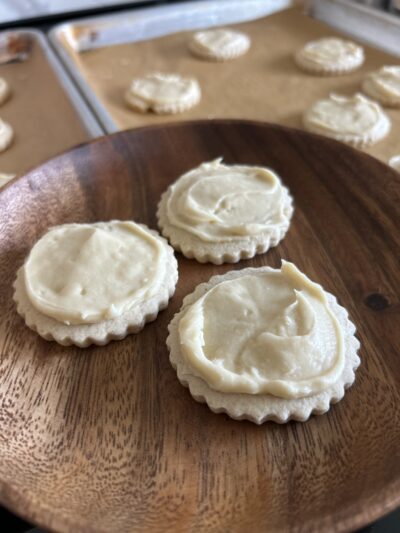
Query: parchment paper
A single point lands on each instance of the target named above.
(265, 84)
(44, 121)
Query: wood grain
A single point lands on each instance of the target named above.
(106, 439)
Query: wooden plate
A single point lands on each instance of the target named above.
(107, 440)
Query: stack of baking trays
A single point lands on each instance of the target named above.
(48, 114)
(103, 54)
(43, 108)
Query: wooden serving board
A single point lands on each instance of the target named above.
(105, 439)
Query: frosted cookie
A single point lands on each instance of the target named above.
(4, 91)
(384, 85)
(355, 120)
(394, 162)
(330, 56)
(221, 213)
(263, 344)
(5, 178)
(6, 135)
(88, 284)
(220, 44)
(163, 93)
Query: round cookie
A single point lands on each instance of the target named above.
(6, 135)
(163, 93)
(5, 91)
(384, 85)
(80, 286)
(330, 56)
(355, 120)
(256, 407)
(220, 214)
(220, 44)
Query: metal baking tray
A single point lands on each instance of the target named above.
(369, 24)
(19, 10)
(88, 120)
(46, 111)
(148, 23)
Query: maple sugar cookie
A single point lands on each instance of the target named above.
(264, 344)
(223, 213)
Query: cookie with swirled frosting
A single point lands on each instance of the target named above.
(384, 85)
(220, 44)
(223, 213)
(330, 56)
(264, 344)
(355, 120)
(88, 284)
(163, 93)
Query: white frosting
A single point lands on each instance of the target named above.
(220, 43)
(86, 273)
(163, 93)
(384, 84)
(5, 178)
(219, 203)
(4, 90)
(330, 53)
(268, 332)
(6, 135)
(341, 116)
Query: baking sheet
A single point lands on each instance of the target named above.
(46, 120)
(369, 22)
(265, 84)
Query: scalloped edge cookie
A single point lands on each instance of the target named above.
(357, 141)
(317, 69)
(193, 247)
(178, 106)
(368, 87)
(201, 50)
(262, 408)
(103, 332)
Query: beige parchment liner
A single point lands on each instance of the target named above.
(40, 113)
(264, 84)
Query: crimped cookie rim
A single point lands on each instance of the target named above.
(298, 412)
(245, 248)
(118, 328)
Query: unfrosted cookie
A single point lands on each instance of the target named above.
(355, 120)
(394, 162)
(330, 56)
(4, 91)
(5, 178)
(6, 135)
(384, 85)
(263, 344)
(93, 283)
(221, 213)
(220, 44)
(163, 93)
